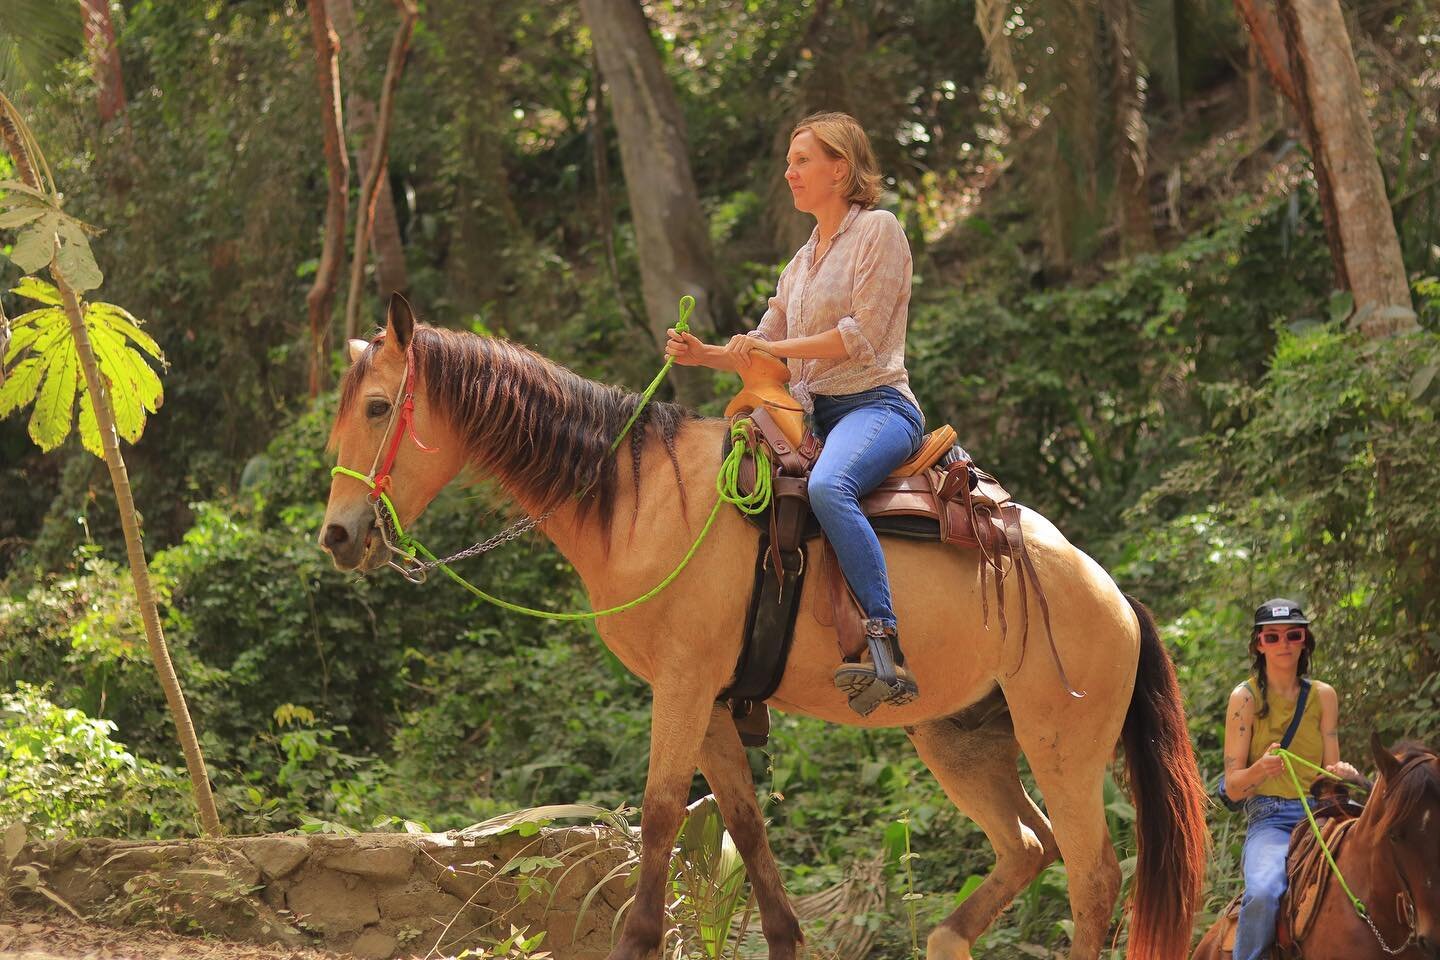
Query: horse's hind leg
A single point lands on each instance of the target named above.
(1073, 789)
(727, 770)
(976, 768)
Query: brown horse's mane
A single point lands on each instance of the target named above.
(1405, 794)
(536, 426)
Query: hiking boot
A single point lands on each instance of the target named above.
(882, 678)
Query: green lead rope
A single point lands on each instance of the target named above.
(1290, 760)
(687, 306)
(727, 486)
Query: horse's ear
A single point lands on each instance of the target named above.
(357, 349)
(1385, 761)
(399, 322)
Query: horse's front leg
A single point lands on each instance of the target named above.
(727, 770)
(679, 714)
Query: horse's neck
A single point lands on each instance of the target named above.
(662, 504)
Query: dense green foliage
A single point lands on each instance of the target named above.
(1200, 418)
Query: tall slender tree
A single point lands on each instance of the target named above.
(104, 58)
(115, 380)
(360, 123)
(320, 301)
(1358, 221)
(670, 226)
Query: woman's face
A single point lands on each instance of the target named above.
(813, 175)
(1281, 645)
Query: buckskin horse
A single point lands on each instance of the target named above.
(1389, 856)
(544, 433)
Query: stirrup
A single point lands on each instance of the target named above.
(883, 679)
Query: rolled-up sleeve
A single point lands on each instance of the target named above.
(881, 292)
(774, 324)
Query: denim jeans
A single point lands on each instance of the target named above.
(867, 435)
(1267, 840)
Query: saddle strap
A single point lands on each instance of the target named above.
(1014, 533)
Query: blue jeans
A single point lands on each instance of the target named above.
(1267, 840)
(867, 435)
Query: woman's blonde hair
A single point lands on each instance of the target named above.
(843, 138)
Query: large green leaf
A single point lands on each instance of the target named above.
(33, 288)
(55, 407)
(21, 385)
(118, 365)
(75, 260)
(35, 244)
(120, 319)
(48, 366)
(89, 426)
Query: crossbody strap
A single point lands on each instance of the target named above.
(1299, 713)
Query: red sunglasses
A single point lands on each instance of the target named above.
(1289, 636)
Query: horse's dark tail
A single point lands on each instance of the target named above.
(1170, 803)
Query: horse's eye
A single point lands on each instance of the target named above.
(377, 408)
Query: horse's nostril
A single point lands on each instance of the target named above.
(335, 536)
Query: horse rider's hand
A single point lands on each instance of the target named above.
(741, 349)
(687, 349)
(1344, 771)
(1270, 764)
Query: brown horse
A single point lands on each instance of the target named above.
(544, 433)
(1390, 858)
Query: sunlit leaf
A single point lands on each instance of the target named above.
(117, 365)
(75, 259)
(55, 407)
(21, 384)
(120, 319)
(33, 288)
(89, 426)
(35, 244)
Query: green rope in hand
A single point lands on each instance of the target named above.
(726, 486)
(1290, 760)
(687, 306)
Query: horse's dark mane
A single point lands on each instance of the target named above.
(532, 423)
(1405, 794)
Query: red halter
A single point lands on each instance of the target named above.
(402, 422)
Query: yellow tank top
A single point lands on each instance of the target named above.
(1271, 729)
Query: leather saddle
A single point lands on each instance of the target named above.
(939, 494)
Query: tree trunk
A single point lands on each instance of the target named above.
(1268, 40)
(105, 58)
(125, 501)
(320, 301)
(670, 227)
(385, 244)
(1358, 221)
(139, 569)
(604, 210)
(486, 234)
(1131, 134)
(376, 163)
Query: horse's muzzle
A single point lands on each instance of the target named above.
(351, 550)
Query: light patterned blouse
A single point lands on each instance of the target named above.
(861, 286)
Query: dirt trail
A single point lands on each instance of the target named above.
(27, 935)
